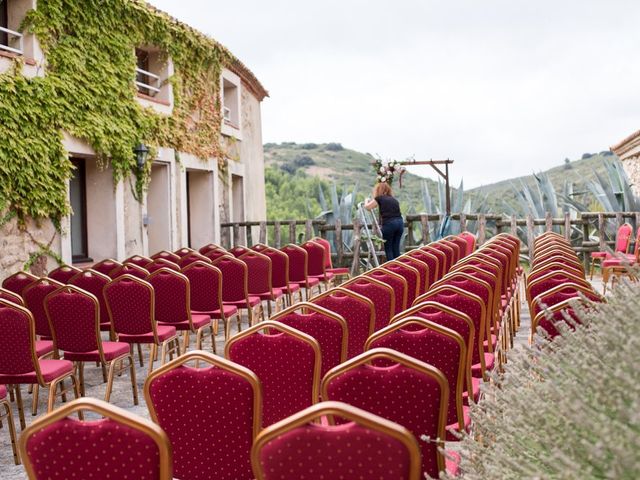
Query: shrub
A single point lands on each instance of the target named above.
(567, 408)
(303, 161)
(309, 146)
(334, 147)
(586, 155)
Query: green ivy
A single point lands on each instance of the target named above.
(88, 90)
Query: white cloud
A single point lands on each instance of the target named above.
(502, 86)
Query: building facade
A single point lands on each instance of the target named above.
(187, 197)
(629, 152)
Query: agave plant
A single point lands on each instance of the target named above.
(341, 207)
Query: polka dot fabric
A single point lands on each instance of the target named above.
(94, 282)
(17, 282)
(380, 297)
(557, 297)
(285, 367)
(72, 315)
(11, 296)
(297, 263)
(34, 301)
(398, 393)
(413, 280)
(130, 304)
(443, 263)
(63, 274)
(234, 275)
(205, 286)
(344, 452)
(100, 449)
(423, 270)
(259, 274)
(15, 343)
(130, 269)
(356, 313)
(397, 284)
(106, 266)
(326, 330)
(315, 258)
(279, 267)
(208, 415)
(138, 260)
(170, 293)
(431, 261)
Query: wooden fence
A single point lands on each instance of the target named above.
(588, 232)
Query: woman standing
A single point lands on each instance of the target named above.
(390, 217)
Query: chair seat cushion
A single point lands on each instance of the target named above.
(619, 262)
(323, 278)
(293, 287)
(165, 332)
(599, 254)
(475, 387)
(274, 294)
(339, 271)
(198, 321)
(311, 282)
(50, 369)
(252, 300)
(43, 347)
(452, 463)
(494, 341)
(111, 350)
(451, 437)
(227, 310)
(489, 362)
(3, 392)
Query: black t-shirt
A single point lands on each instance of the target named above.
(389, 207)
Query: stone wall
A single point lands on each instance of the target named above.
(632, 167)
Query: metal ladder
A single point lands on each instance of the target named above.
(368, 218)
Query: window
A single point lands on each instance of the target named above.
(4, 23)
(10, 39)
(147, 82)
(230, 103)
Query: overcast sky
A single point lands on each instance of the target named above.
(504, 87)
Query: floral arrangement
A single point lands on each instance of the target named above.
(387, 171)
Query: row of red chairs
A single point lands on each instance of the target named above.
(289, 364)
(555, 281)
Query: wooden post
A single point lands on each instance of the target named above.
(567, 226)
(236, 235)
(548, 222)
(601, 225)
(308, 230)
(530, 237)
(276, 234)
(514, 226)
(292, 231)
(585, 238)
(424, 223)
(355, 264)
(482, 223)
(619, 220)
(463, 222)
(249, 235)
(409, 239)
(263, 233)
(339, 244)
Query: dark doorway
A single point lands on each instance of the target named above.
(78, 199)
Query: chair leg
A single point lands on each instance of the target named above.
(132, 374)
(152, 356)
(12, 431)
(107, 394)
(23, 424)
(185, 341)
(34, 399)
(140, 355)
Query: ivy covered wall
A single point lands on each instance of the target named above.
(88, 91)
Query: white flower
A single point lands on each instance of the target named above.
(383, 179)
(381, 169)
(379, 178)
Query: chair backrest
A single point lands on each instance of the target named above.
(209, 247)
(205, 284)
(623, 238)
(446, 250)
(279, 265)
(554, 266)
(213, 255)
(381, 295)
(181, 252)
(63, 273)
(460, 242)
(396, 282)
(357, 310)
(326, 245)
(550, 318)
(328, 328)
(17, 340)
(206, 411)
(34, 300)
(287, 362)
(298, 262)
(315, 258)
(560, 293)
(434, 344)
(11, 296)
(159, 263)
(171, 293)
(74, 318)
(546, 282)
(172, 257)
(238, 250)
(17, 282)
(298, 447)
(430, 259)
(456, 250)
(470, 240)
(116, 443)
(106, 266)
(411, 276)
(138, 260)
(440, 255)
(421, 267)
(411, 393)
(192, 257)
(93, 282)
(131, 305)
(235, 287)
(129, 269)
(259, 272)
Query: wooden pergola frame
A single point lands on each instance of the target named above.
(445, 175)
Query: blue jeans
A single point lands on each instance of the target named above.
(392, 231)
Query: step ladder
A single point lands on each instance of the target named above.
(371, 227)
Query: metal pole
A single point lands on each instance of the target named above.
(447, 188)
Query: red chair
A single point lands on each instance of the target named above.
(172, 295)
(298, 269)
(238, 251)
(106, 266)
(211, 415)
(93, 282)
(553, 319)
(338, 272)
(213, 255)
(209, 247)
(440, 347)
(550, 280)
(357, 310)
(205, 286)
(159, 263)
(563, 292)
(432, 261)
(448, 251)
(440, 255)
(34, 296)
(63, 273)
(19, 363)
(116, 445)
(458, 248)
(138, 260)
(192, 257)
(411, 276)
(129, 269)
(181, 252)
(299, 447)
(470, 240)
(235, 288)
(74, 317)
(623, 242)
(328, 328)
(396, 282)
(11, 296)
(287, 363)
(131, 306)
(280, 271)
(410, 393)
(380, 294)
(165, 255)
(421, 267)
(260, 277)
(4, 402)
(315, 263)
(18, 281)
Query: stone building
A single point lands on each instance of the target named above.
(629, 152)
(187, 197)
